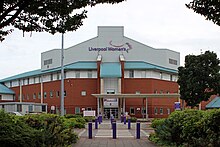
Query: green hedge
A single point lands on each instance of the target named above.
(35, 130)
(188, 128)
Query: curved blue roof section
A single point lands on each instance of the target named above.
(77, 65)
(143, 65)
(110, 70)
(5, 90)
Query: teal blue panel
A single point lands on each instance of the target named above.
(215, 103)
(5, 90)
(144, 65)
(110, 70)
(77, 65)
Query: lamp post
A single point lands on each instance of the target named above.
(62, 80)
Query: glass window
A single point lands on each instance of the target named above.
(65, 93)
(83, 93)
(30, 108)
(168, 110)
(110, 91)
(27, 96)
(77, 74)
(45, 95)
(132, 111)
(161, 110)
(161, 75)
(34, 96)
(77, 110)
(143, 110)
(88, 108)
(0, 97)
(171, 77)
(58, 94)
(39, 95)
(51, 77)
(19, 107)
(89, 74)
(43, 108)
(131, 73)
(155, 110)
(51, 94)
(28, 81)
(58, 76)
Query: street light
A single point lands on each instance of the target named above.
(62, 79)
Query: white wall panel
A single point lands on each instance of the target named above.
(111, 84)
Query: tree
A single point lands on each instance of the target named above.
(44, 15)
(200, 78)
(208, 8)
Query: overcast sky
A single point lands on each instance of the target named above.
(156, 23)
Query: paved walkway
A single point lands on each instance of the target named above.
(102, 137)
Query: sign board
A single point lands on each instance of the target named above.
(177, 106)
(88, 113)
(52, 107)
(110, 103)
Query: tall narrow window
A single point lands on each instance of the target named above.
(45, 95)
(34, 96)
(171, 77)
(131, 73)
(77, 74)
(77, 110)
(161, 111)
(58, 94)
(89, 74)
(132, 111)
(168, 110)
(51, 77)
(19, 107)
(58, 76)
(39, 95)
(51, 94)
(155, 110)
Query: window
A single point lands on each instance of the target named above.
(64, 75)
(143, 110)
(137, 92)
(161, 111)
(45, 95)
(132, 111)
(64, 93)
(39, 79)
(27, 96)
(171, 77)
(161, 91)
(161, 75)
(89, 74)
(172, 61)
(131, 73)
(34, 96)
(30, 108)
(43, 108)
(155, 91)
(58, 76)
(39, 95)
(168, 110)
(28, 81)
(47, 62)
(23, 82)
(58, 94)
(10, 84)
(0, 97)
(51, 94)
(77, 74)
(88, 108)
(155, 110)
(77, 110)
(19, 107)
(83, 93)
(34, 80)
(51, 77)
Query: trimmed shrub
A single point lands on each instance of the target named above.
(89, 118)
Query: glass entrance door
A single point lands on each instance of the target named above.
(109, 111)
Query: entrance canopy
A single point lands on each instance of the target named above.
(173, 95)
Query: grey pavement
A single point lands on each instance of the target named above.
(102, 137)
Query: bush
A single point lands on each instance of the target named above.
(189, 128)
(89, 118)
(157, 122)
(133, 119)
(14, 132)
(73, 115)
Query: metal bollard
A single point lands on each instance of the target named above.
(96, 123)
(114, 130)
(99, 119)
(138, 134)
(125, 120)
(129, 123)
(90, 130)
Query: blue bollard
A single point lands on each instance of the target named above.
(138, 134)
(129, 123)
(90, 130)
(125, 120)
(96, 123)
(114, 130)
(101, 118)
